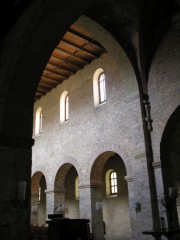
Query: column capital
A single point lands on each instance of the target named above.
(49, 191)
(161, 164)
(128, 178)
(92, 185)
(157, 164)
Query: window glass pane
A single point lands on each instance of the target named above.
(76, 188)
(67, 108)
(114, 175)
(102, 88)
(40, 122)
(113, 182)
(39, 194)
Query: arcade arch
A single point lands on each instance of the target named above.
(17, 74)
(38, 199)
(65, 190)
(105, 206)
(170, 155)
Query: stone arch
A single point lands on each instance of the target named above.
(36, 177)
(163, 122)
(49, 22)
(169, 152)
(64, 189)
(38, 199)
(106, 151)
(168, 134)
(61, 175)
(98, 165)
(67, 160)
(118, 203)
(163, 85)
(40, 170)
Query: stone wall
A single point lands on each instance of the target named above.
(164, 92)
(113, 126)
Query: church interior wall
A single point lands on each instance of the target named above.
(88, 128)
(163, 84)
(117, 206)
(118, 122)
(80, 130)
(147, 167)
(164, 99)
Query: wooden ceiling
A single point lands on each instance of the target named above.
(76, 49)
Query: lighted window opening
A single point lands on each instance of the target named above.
(38, 122)
(99, 87)
(64, 107)
(77, 188)
(113, 183)
(39, 194)
(67, 108)
(102, 88)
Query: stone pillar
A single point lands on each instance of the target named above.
(142, 170)
(142, 195)
(34, 208)
(53, 199)
(167, 206)
(42, 209)
(85, 202)
(49, 202)
(59, 198)
(159, 191)
(97, 211)
(132, 202)
(91, 208)
(15, 193)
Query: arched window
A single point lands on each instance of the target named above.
(76, 188)
(38, 122)
(111, 183)
(39, 194)
(64, 107)
(67, 108)
(102, 88)
(99, 87)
